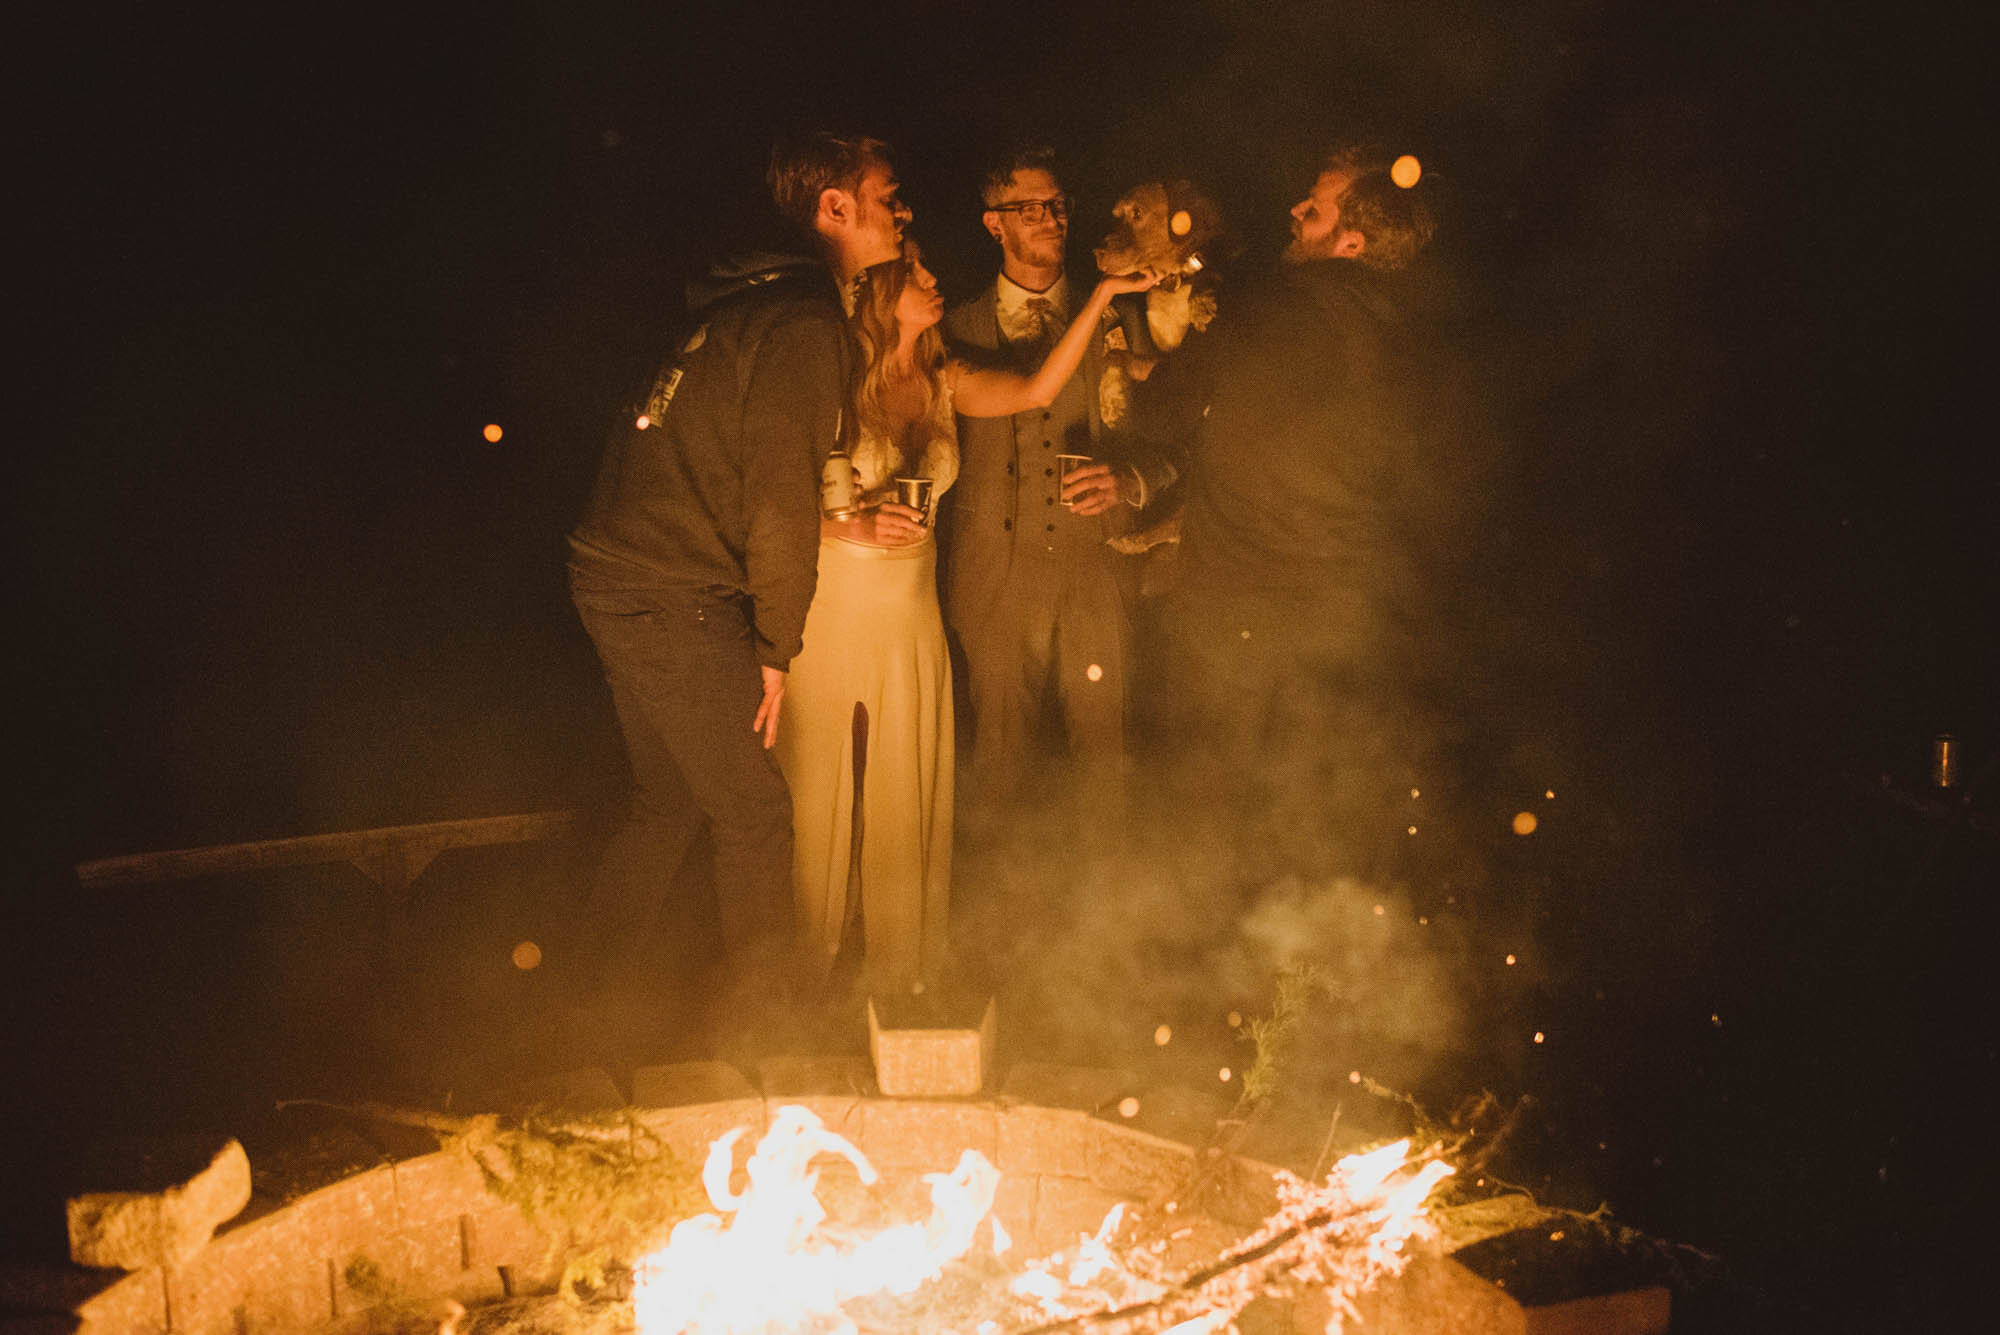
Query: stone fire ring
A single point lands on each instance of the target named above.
(427, 1227)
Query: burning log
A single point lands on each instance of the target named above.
(1342, 1236)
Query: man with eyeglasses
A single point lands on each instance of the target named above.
(1040, 605)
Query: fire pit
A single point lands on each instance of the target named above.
(402, 1246)
(425, 1244)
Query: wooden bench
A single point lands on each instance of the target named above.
(392, 856)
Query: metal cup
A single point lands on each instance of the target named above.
(915, 492)
(1066, 466)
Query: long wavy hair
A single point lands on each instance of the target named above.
(877, 290)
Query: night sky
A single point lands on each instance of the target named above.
(1718, 278)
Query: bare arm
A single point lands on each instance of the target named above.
(984, 392)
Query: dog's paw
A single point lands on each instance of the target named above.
(1114, 396)
(1201, 308)
(1153, 535)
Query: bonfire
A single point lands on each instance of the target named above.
(764, 1258)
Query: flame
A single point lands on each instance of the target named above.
(1345, 1235)
(765, 1268)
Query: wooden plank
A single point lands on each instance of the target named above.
(404, 850)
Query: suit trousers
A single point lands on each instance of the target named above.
(1063, 627)
(685, 683)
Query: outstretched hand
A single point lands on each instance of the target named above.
(1137, 281)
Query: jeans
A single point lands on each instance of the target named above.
(685, 683)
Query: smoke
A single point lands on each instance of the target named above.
(1092, 948)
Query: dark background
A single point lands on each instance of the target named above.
(1717, 276)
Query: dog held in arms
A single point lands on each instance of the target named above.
(1174, 229)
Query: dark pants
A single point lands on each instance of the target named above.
(685, 683)
(1297, 728)
(1065, 629)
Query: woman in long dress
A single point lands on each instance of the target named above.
(868, 712)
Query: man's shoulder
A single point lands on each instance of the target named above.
(794, 315)
(1345, 288)
(766, 282)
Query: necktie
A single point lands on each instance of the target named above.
(1042, 318)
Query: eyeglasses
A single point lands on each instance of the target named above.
(1033, 211)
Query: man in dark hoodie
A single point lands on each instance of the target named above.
(693, 566)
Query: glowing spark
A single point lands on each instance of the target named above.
(1378, 910)
(1244, 633)
(1413, 829)
(1525, 822)
(1405, 171)
(1549, 793)
(1235, 1019)
(1539, 1036)
(1128, 1107)
(1223, 1075)
(527, 955)
(1416, 793)
(1181, 223)
(1716, 1020)
(1163, 1036)
(1094, 672)
(643, 422)
(1354, 1077)
(492, 432)
(1510, 959)
(1556, 1236)
(1423, 922)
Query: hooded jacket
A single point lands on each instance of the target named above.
(717, 493)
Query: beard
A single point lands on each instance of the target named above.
(1299, 250)
(1045, 252)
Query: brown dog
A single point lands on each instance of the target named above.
(1175, 230)
(1171, 228)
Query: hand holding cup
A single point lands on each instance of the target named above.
(1089, 486)
(891, 524)
(915, 492)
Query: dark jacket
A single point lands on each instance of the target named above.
(719, 493)
(1300, 456)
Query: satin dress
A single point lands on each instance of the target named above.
(868, 712)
